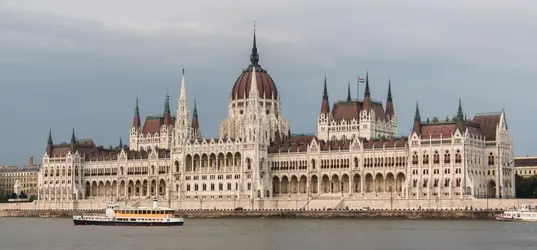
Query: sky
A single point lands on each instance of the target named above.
(80, 64)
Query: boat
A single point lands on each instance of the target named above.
(524, 212)
(131, 216)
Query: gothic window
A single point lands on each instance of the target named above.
(458, 182)
(220, 186)
(446, 183)
(447, 157)
(436, 158)
(458, 157)
(491, 159)
(187, 187)
(425, 158)
(415, 158)
(435, 183)
(414, 183)
(425, 182)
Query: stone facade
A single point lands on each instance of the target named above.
(257, 161)
(25, 176)
(526, 166)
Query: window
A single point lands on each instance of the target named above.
(447, 157)
(491, 159)
(425, 158)
(458, 157)
(436, 158)
(415, 158)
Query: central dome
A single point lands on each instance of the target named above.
(265, 84)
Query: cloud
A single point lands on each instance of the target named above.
(81, 63)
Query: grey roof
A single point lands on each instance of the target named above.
(7, 169)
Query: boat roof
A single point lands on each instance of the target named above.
(146, 208)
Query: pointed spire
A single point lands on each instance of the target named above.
(136, 120)
(182, 93)
(390, 111)
(195, 125)
(417, 121)
(325, 92)
(73, 142)
(349, 92)
(325, 105)
(120, 143)
(367, 94)
(50, 145)
(254, 57)
(195, 113)
(417, 116)
(389, 89)
(49, 141)
(460, 113)
(73, 137)
(167, 104)
(167, 115)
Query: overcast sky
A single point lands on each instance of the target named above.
(80, 64)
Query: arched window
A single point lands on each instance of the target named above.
(425, 158)
(491, 159)
(447, 157)
(436, 158)
(458, 157)
(415, 158)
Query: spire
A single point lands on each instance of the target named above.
(167, 115)
(73, 138)
(195, 125)
(49, 141)
(136, 120)
(417, 121)
(417, 116)
(182, 93)
(73, 142)
(325, 105)
(389, 89)
(349, 92)
(390, 111)
(254, 57)
(50, 145)
(460, 114)
(120, 143)
(367, 93)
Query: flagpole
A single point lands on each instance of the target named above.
(358, 88)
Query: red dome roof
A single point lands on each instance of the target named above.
(265, 84)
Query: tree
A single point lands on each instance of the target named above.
(526, 187)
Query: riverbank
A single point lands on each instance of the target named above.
(454, 214)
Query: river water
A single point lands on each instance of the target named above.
(264, 234)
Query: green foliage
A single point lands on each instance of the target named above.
(526, 187)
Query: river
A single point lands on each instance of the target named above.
(265, 234)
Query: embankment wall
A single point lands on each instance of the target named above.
(277, 213)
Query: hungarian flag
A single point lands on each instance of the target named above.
(360, 79)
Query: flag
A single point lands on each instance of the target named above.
(360, 79)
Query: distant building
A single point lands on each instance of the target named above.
(526, 166)
(25, 175)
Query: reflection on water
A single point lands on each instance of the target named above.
(258, 234)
